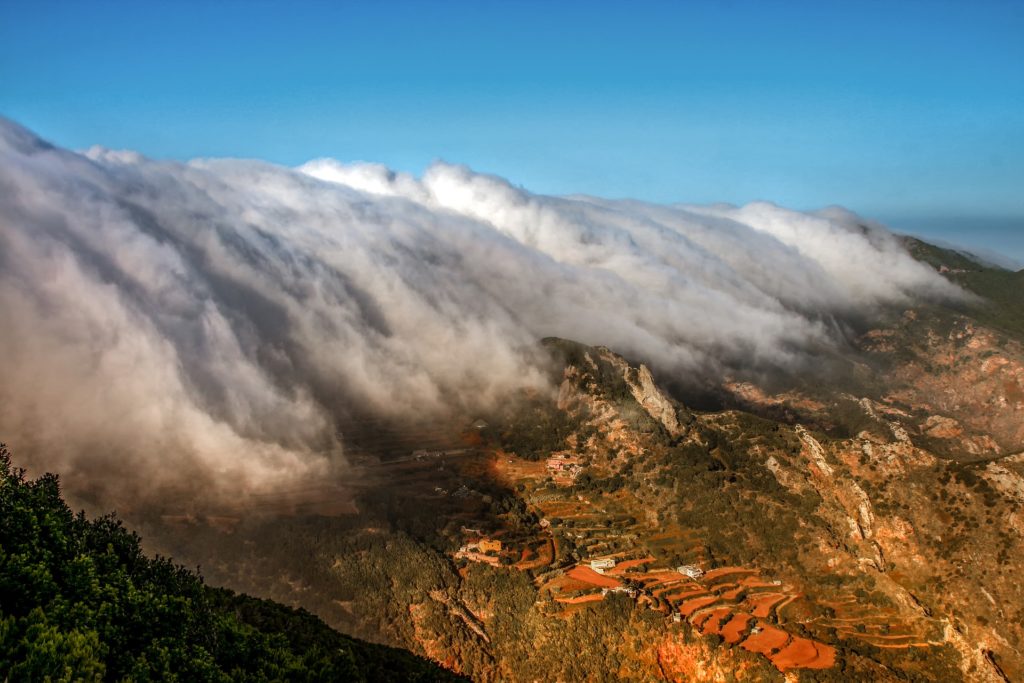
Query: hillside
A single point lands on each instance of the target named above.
(851, 514)
(861, 529)
(79, 601)
(1001, 305)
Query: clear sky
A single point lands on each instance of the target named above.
(910, 112)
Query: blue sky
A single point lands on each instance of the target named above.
(911, 112)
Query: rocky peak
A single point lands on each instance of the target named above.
(658, 405)
(599, 372)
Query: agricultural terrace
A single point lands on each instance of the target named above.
(736, 603)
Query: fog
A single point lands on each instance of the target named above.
(206, 327)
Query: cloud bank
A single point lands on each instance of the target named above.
(213, 322)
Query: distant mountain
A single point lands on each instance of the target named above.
(80, 602)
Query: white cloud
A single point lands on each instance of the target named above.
(213, 321)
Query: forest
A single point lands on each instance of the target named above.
(80, 601)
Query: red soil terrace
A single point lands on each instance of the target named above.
(588, 575)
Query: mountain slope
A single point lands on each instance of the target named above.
(1001, 306)
(328, 392)
(831, 536)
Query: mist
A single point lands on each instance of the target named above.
(206, 328)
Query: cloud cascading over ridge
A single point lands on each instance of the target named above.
(211, 321)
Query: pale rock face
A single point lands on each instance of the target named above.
(814, 450)
(1007, 481)
(670, 413)
(656, 403)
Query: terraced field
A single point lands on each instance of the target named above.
(731, 602)
(736, 603)
(740, 607)
(878, 627)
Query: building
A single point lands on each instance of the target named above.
(487, 545)
(483, 545)
(562, 463)
(691, 570)
(600, 566)
(467, 552)
(564, 467)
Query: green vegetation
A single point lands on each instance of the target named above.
(532, 428)
(851, 419)
(601, 378)
(1003, 308)
(80, 601)
(608, 381)
(736, 505)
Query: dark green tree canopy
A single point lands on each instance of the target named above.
(80, 601)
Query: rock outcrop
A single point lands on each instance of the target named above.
(673, 416)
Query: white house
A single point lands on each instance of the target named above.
(691, 570)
